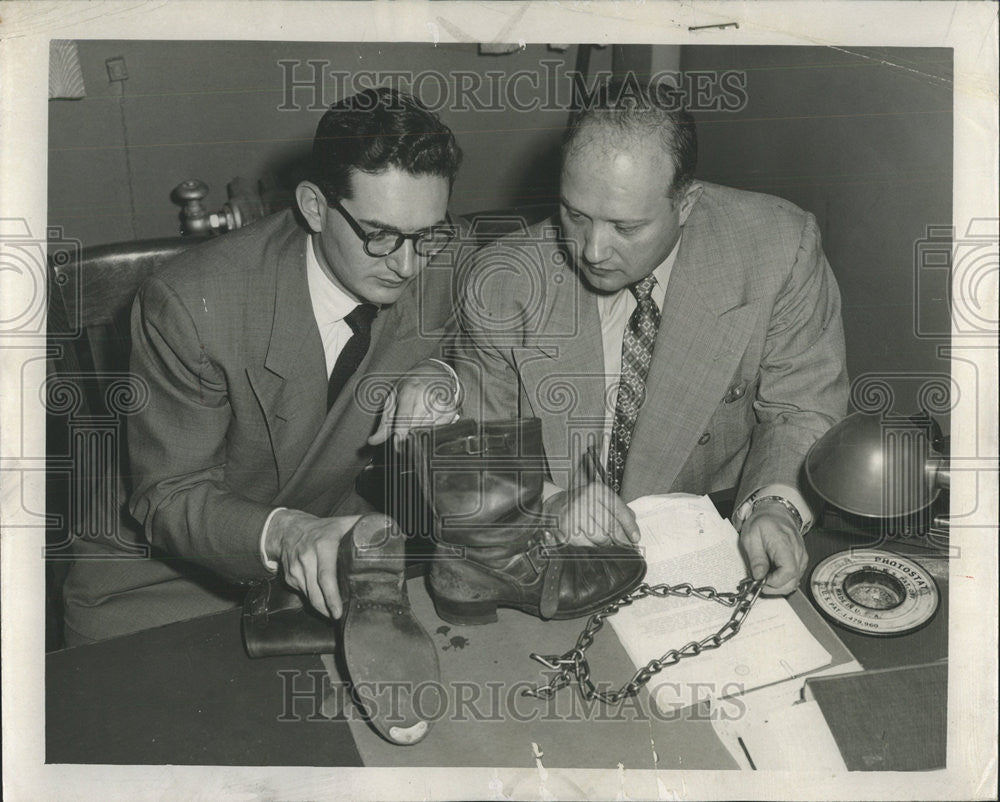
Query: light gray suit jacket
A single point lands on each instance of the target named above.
(236, 423)
(748, 368)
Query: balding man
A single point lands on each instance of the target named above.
(688, 333)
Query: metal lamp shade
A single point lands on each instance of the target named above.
(876, 466)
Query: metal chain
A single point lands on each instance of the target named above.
(573, 664)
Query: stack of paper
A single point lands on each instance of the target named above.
(789, 738)
(686, 541)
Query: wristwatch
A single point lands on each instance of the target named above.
(748, 506)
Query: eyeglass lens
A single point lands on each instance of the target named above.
(382, 243)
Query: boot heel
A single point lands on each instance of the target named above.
(466, 613)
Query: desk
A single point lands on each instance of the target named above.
(187, 694)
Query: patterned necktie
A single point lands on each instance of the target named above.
(637, 354)
(360, 320)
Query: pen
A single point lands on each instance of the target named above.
(597, 471)
(743, 746)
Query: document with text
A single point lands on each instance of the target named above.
(685, 540)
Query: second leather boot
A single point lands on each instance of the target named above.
(496, 548)
(389, 655)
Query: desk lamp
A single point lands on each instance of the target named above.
(877, 466)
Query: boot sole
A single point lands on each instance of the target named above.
(374, 637)
(472, 614)
(466, 613)
(477, 613)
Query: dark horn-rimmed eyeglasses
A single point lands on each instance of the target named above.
(382, 242)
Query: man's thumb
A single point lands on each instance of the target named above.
(759, 564)
(385, 425)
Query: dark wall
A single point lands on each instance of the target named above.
(863, 140)
(210, 110)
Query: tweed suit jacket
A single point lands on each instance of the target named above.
(236, 422)
(748, 367)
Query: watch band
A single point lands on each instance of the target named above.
(751, 504)
(457, 397)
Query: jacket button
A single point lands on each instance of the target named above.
(736, 392)
(704, 438)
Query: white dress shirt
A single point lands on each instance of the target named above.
(330, 304)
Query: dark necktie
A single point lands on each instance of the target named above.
(360, 320)
(637, 354)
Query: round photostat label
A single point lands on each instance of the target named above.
(875, 592)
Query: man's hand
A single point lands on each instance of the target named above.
(305, 547)
(774, 548)
(592, 514)
(426, 396)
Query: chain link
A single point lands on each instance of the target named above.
(573, 665)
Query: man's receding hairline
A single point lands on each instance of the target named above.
(609, 143)
(616, 127)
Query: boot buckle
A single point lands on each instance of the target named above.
(478, 445)
(536, 558)
(471, 445)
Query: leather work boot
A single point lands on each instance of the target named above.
(496, 548)
(388, 653)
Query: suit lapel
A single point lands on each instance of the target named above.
(706, 322)
(290, 385)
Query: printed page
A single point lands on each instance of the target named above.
(686, 541)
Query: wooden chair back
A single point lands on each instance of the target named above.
(90, 296)
(90, 300)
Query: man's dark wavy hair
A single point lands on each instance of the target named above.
(627, 106)
(377, 129)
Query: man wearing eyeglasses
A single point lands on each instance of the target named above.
(267, 354)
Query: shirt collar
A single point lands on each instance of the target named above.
(662, 275)
(330, 302)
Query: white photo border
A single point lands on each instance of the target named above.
(970, 29)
